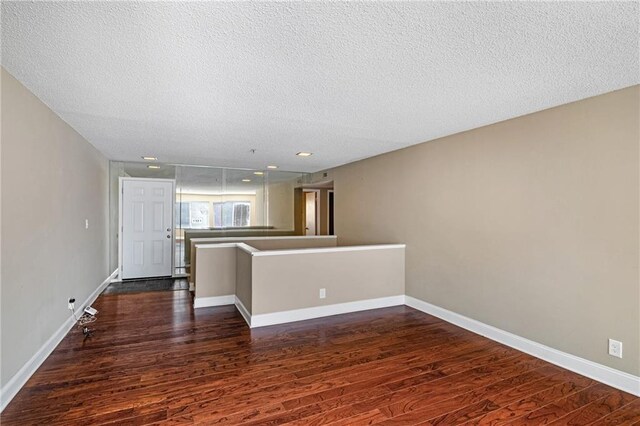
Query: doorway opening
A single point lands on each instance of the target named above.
(311, 211)
(314, 209)
(331, 213)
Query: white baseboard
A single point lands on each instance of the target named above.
(18, 380)
(243, 311)
(607, 375)
(204, 302)
(263, 320)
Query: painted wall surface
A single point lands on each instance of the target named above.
(52, 180)
(208, 277)
(530, 225)
(281, 205)
(218, 271)
(243, 278)
(292, 281)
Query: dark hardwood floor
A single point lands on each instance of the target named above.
(154, 360)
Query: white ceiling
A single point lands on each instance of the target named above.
(204, 82)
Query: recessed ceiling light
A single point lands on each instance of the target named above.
(258, 173)
(304, 154)
(272, 167)
(246, 180)
(153, 167)
(150, 158)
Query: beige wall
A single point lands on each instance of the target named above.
(244, 277)
(208, 276)
(286, 280)
(52, 180)
(529, 225)
(218, 269)
(2, 379)
(281, 205)
(292, 281)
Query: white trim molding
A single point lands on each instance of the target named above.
(18, 380)
(247, 248)
(263, 320)
(607, 375)
(243, 311)
(222, 240)
(327, 249)
(214, 246)
(204, 302)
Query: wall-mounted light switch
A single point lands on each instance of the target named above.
(86, 224)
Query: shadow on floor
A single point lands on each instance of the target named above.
(137, 286)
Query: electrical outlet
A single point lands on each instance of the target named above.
(72, 304)
(323, 293)
(615, 348)
(86, 224)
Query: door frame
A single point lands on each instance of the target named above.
(329, 212)
(318, 212)
(121, 180)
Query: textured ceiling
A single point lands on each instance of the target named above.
(204, 82)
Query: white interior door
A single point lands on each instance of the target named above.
(146, 227)
(310, 213)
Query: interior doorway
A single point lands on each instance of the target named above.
(331, 213)
(314, 209)
(311, 212)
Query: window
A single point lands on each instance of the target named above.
(241, 214)
(193, 214)
(182, 215)
(232, 214)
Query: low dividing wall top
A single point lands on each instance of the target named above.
(260, 243)
(258, 231)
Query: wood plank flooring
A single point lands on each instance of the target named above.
(154, 360)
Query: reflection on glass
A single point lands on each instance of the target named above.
(231, 214)
(213, 201)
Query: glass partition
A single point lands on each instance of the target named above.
(214, 201)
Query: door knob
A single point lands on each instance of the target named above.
(168, 236)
